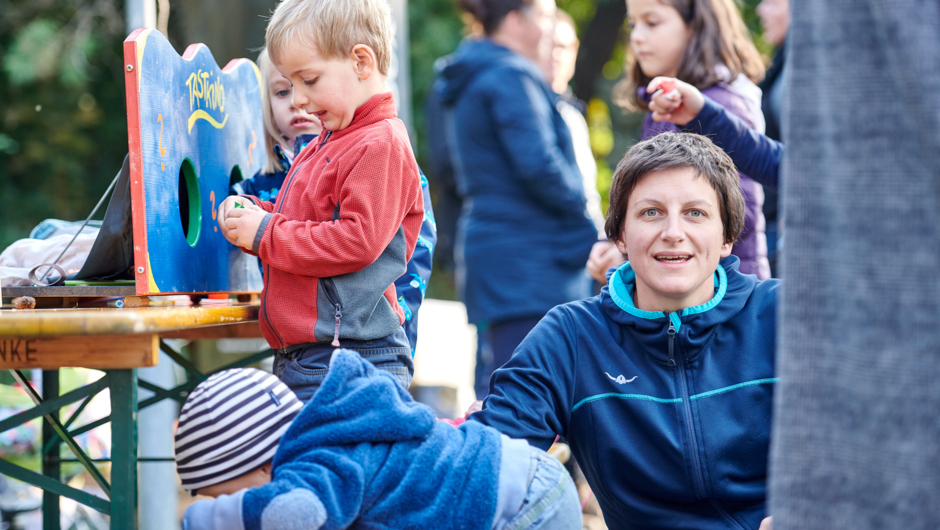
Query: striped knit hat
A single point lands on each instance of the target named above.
(230, 425)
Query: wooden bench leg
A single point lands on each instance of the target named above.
(123, 449)
(50, 455)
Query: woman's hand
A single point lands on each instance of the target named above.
(766, 524)
(604, 255)
(476, 406)
(674, 101)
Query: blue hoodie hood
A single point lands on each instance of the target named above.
(357, 404)
(473, 56)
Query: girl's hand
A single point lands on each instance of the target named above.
(604, 255)
(767, 524)
(476, 406)
(674, 101)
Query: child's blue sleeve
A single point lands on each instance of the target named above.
(223, 513)
(754, 154)
(411, 286)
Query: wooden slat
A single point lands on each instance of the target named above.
(49, 323)
(242, 330)
(118, 352)
(67, 291)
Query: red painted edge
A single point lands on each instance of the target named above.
(135, 149)
(233, 64)
(192, 49)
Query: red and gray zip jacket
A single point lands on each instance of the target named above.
(342, 231)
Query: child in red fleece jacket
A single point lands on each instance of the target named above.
(348, 216)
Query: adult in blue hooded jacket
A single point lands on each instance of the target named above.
(524, 235)
(663, 383)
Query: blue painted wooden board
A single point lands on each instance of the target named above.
(188, 121)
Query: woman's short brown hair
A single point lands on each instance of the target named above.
(673, 150)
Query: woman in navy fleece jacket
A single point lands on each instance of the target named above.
(524, 224)
(662, 384)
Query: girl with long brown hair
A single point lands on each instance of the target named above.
(706, 44)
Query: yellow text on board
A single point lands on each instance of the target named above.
(205, 93)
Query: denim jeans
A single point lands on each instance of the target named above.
(551, 502)
(304, 367)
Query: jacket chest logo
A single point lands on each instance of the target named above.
(620, 379)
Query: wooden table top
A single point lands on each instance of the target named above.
(50, 323)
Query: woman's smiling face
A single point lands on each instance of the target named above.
(673, 237)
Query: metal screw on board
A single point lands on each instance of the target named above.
(140, 270)
(130, 68)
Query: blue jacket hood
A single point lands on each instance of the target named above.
(357, 404)
(458, 70)
(363, 451)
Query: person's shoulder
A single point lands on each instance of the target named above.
(763, 295)
(741, 97)
(505, 75)
(768, 288)
(386, 131)
(577, 315)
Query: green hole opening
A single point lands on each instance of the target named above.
(236, 176)
(190, 202)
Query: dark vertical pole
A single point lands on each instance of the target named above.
(50, 459)
(123, 449)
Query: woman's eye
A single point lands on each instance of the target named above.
(697, 213)
(311, 81)
(649, 212)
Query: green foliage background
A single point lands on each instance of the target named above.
(63, 130)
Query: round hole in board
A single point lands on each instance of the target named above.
(190, 202)
(236, 176)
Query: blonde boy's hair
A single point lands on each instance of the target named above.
(333, 27)
(273, 136)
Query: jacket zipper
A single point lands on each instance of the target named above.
(329, 288)
(687, 409)
(264, 301)
(672, 339)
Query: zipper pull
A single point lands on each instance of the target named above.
(672, 340)
(339, 315)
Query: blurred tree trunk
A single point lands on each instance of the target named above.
(231, 29)
(597, 43)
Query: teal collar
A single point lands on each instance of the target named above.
(623, 281)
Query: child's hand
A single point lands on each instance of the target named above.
(604, 255)
(674, 101)
(231, 203)
(476, 406)
(241, 225)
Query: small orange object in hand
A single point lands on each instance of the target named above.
(667, 86)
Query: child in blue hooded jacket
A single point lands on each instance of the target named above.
(663, 384)
(361, 453)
